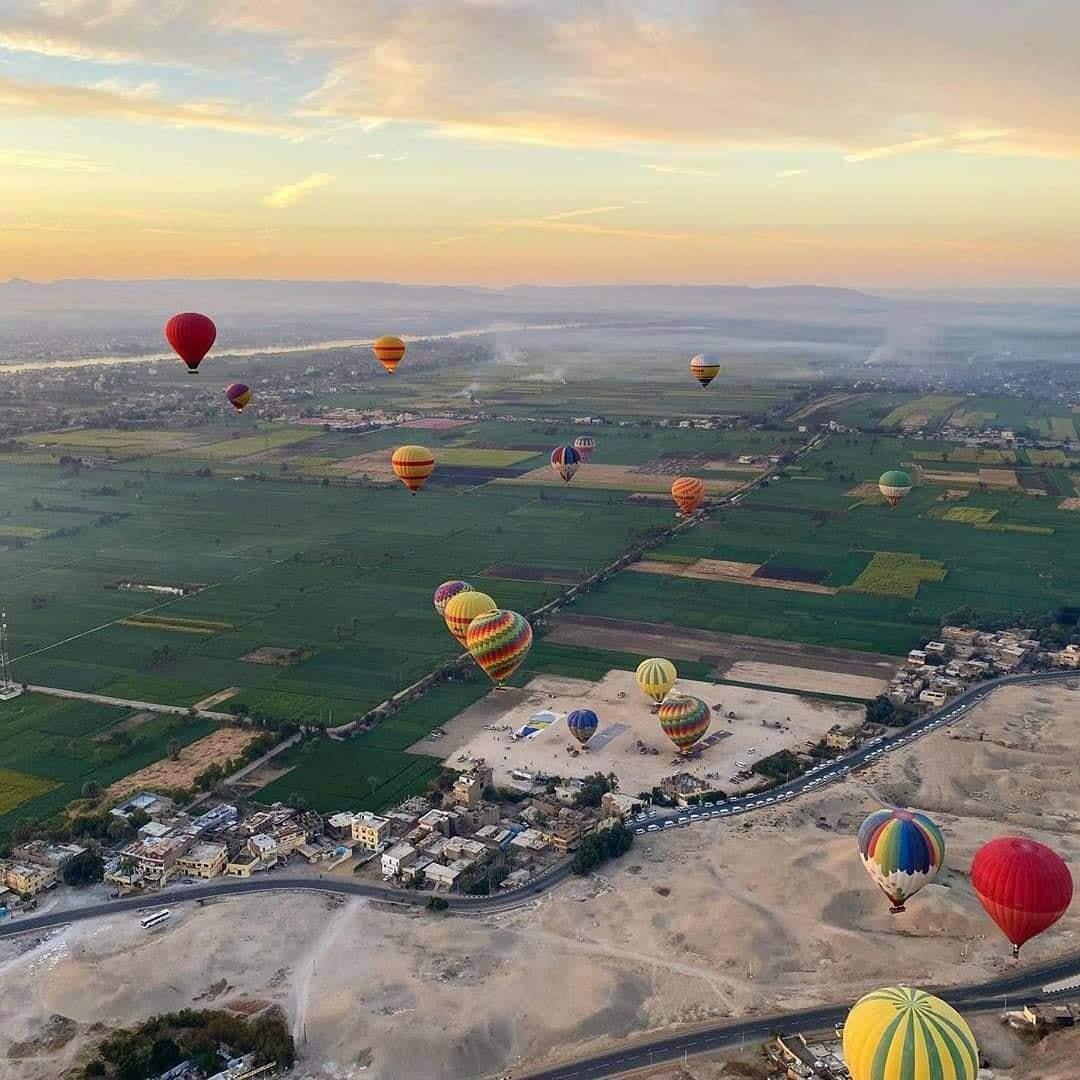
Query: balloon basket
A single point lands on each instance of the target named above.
(896, 909)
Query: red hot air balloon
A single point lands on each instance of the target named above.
(191, 335)
(1023, 885)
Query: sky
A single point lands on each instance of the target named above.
(849, 142)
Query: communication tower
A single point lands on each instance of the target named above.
(8, 687)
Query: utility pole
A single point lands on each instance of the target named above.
(8, 687)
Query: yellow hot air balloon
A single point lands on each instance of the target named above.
(903, 1034)
(656, 677)
(389, 351)
(460, 610)
(412, 465)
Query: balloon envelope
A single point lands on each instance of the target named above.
(584, 445)
(239, 394)
(565, 461)
(704, 368)
(656, 677)
(499, 642)
(412, 465)
(191, 335)
(684, 720)
(688, 493)
(446, 592)
(902, 851)
(894, 485)
(1023, 885)
(582, 724)
(462, 609)
(389, 351)
(898, 1033)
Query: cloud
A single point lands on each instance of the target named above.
(50, 161)
(963, 140)
(376, 157)
(676, 170)
(62, 101)
(37, 226)
(582, 213)
(785, 173)
(282, 198)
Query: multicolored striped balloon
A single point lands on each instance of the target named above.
(902, 851)
(412, 465)
(898, 1033)
(565, 461)
(499, 642)
(238, 394)
(585, 445)
(704, 368)
(684, 720)
(688, 493)
(460, 610)
(446, 592)
(389, 351)
(582, 724)
(656, 676)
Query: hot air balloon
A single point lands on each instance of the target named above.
(460, 610)
(565, 461)
(1023, 885)
(584, 445)
(688, 493)
(684, 720)
(656, 677)
(894, 485)
(239, 394)
(582, 724)
(191, 335)
(898, 1033)
(389, 351)
(704, 368)
(412, 466)
(446, 592)
(902, 850)
(499, 641)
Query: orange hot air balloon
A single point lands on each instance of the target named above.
(389, 351)
(412, 466)
(688, 493)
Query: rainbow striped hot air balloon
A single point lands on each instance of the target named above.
(389, 351)
(412, 465)
(565, 461)
(238, 395)
(684, 720)
(656, 676)
(582, 724)
(499, 642)
(460, 610)
(894, 485)
(704, 368)
(585, 445)
(902, 851)
(446, 592)
(688, 493)
(898, 1033)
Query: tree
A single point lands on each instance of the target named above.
(91, 789)
(173, 747)
(86, 868)
(24, 830)
(880, 710)
(164, 1055)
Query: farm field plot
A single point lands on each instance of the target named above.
(613, 478)
(896, 573)
(268, 439)
(17, 788)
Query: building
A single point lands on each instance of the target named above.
(684, 786)
(340, 825)
(563, 835)
(937, 698)
(838, 739)
(437, 821)
(936, 648)
(214, 820)
(243, 863)
(46, 854)
(441, 876)
(27, 878)
(617, 804)
(149, 802)
(469, 788)
(916, 657)
(204, 860)
(264, 847)
(370, 830)
(529, 840)
(802, 1059)
(397, 860)
(568, 791)
(156, 859)
(154, 830)
(960, 635)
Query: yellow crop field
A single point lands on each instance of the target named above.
(970, 515)
(490, 459)
(17, 788)
(896, 573)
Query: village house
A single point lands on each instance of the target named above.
(204, 860)
(27, 878)
(370, 830)
(397, 859)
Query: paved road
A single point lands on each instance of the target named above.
(127, 703)
(1025, 986)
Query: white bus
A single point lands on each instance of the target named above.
(153, 920)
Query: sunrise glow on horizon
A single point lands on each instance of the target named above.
(500, 141)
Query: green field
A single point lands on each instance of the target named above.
(17, 788)
(970, 515)
(897, 573)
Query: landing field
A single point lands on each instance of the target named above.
(619, 703)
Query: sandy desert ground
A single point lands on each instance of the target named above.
(718, 920)
(803, 720)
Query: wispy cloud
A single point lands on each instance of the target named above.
(288, 195)
(400, 157)
(678, 170)
(51, 161)
(455, 239)
(582, 213)
(957, 140)
(375, 157)
(785, 173)
(593, 230)
(37, 226)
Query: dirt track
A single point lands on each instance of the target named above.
(714, 570)
(724, 650)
